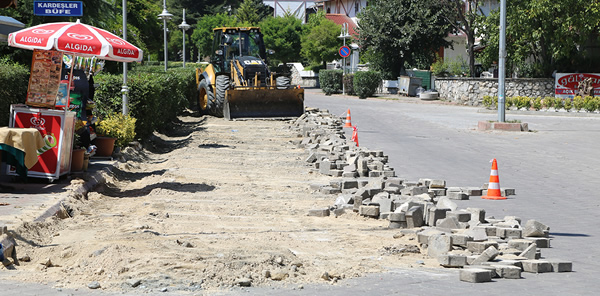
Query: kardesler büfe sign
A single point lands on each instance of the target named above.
(58, 8)
(567, 84)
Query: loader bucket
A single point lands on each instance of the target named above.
(258, 103)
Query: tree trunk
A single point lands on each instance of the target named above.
(470, 45)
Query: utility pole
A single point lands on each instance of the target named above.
(501, 62)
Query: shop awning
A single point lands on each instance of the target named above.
(7, 26)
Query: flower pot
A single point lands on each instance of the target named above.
(77, 160)
(104, 146)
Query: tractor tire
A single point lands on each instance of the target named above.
(222, 87)
(282, 82)
(206, 98)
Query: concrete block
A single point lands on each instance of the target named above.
(384, 215)
(475, 275)
(414, 217)
(480, 247)
(343, 199)
(324, 212)
(423, 236)
(349, 174)
(384, 202)
(312, 157)
(439, 184)
(472, 191)
(448, 223)
(329, 190)
(397, 217)
(461, 216)
(508, 191)
(396, 225)
(507, 271)
(530, 252)
(438, 245)
(487, 255)
(509, 232)
(461, 240)
(536, 266)
(452, 260)
(336, 173)
(457, 195)
(375, 174)
(445, 203)
(437, 191)
(325, 167)
(435, 214)
(425, 182)
(369, 211)
(486, 267)
(541, 242)
(534, 228)
(351, 183)
(413, 190)
(561, 265)
(351, 167)
(477, 214)
(489, 230)
(500, 260)
(478, 234)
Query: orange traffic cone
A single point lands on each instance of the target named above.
(348, 120)
(355, 135)
(493, 191)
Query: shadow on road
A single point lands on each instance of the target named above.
(173, 186)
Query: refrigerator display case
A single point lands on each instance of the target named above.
(56, 127)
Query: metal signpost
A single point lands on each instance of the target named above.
(58, 8)
(344, 52)
(184, 27)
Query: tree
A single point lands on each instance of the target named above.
(202, 36)
(252, 11)
(463, 16)
(284, 36)
(553, 35)
(320, 43)
(395, 32)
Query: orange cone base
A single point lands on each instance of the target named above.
(493, 197)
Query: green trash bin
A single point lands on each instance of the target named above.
(424, 75)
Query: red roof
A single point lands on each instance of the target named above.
(341, 19)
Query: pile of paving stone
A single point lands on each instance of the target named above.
(483, 247)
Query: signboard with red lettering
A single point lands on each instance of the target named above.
(567, 84)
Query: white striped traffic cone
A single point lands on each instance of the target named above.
(493, 191)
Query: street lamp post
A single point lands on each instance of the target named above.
(184, 27)
(125, 89)
(165, 16)
(343, 35)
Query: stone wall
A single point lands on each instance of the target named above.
(304, 78)
(470, 91)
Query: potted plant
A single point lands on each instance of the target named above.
(114, 130)
(77, 154)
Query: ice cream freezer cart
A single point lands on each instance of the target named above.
(56, 127)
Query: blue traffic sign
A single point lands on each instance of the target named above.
(345, 51)
(58, 8)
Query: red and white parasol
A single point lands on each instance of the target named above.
(76, 39)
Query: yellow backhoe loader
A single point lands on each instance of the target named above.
(238, 83)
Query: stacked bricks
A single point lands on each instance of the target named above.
(483, 247)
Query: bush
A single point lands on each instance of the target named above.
(537, 103)
(331, 81)
(568, 104)
(524, 102)
(548, 102)
(14, 79)
(578, 103)
(509, 102)
(155, 99)
(366, 83)
(489, 102)
(349, 84)
(558, 103)
(590, 104)
(119, 126)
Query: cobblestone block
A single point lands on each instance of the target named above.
(397, 217)
(369, 211)
(457, 195)
(472, 191)
(435, 214)
(507, 271)
(477, 214)
(452, 260)
(448, 223)
(437, 191)
(438, 245)
(414, 217)
(475, 275)
(324, 212)
(534, 228)
(487, 255)
(384, 202)
(489, 230)
(461, 240)
(396, 225)
(480, 247)
(561, 265)
(329, 190)
(541, 242)
(486, 267)
(437, 184)
(445, 203)
(536, 266)
(530, 252)
(461, 216)
(509, 232)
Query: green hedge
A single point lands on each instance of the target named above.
(366, 83)
(14, 79)
(349, 84)
(578, 103)
(155, 99)
(331, 81)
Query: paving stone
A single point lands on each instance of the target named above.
(534, 228)
(369, 211)
(437, 184)
(541, 242)
(437, 191)
(489, 230)
(457, 195)
(487, 255)
(477, 214)
(349, 174)
(324, 212)
(384, 202)
(448, 223)
(435, 214)
(508, 191)
(475, 275)
(347, 184)
(485, 267)
(438, 244)
(507, 271)
(509, 232)
(472, 191)
(312, 157)
(560, 265)
(384, 215)
(423, 236)
(452, 260)
(329, 190)
(480, 247)
(397, 217)
(461, 216)
(445, 203)
(461, 239)
(529, 253)
(343, 199)
(500, 260)
(395, 225)
(536, 266)
(414, 217)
